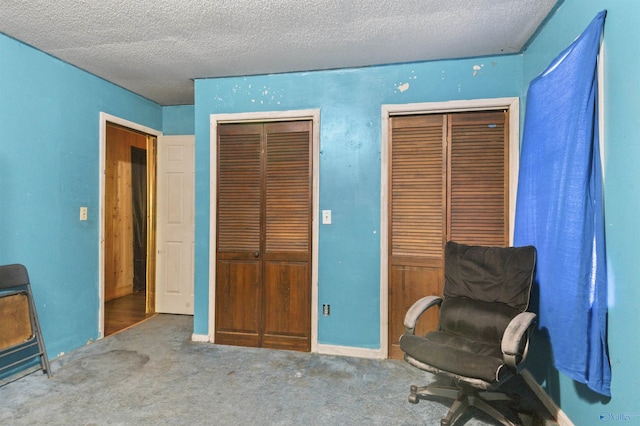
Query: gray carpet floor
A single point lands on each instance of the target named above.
(152, 374)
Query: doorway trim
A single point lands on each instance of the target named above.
(265, 117)
(512, 105)
(104, 118)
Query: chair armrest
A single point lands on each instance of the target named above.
(515, 340)
(417, 309)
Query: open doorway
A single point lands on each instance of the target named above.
(129, 283)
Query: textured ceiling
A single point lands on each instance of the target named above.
(157, 47)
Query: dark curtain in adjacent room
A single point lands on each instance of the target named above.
(139, 206)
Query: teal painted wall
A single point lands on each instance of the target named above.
(622, 201)
(350, 140)
(178, 120)
(49, 168)
(49, 133)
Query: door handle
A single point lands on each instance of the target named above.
(256, 254)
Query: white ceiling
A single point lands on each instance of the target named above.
(157, 47)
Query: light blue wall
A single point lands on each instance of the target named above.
(622, 200)
(49, 168)
(178, 120)
(350, 136)
(49, 154)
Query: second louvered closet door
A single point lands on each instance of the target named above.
(448, 180)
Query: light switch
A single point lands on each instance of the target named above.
(83, 213)
(326, 217)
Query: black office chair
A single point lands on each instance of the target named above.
(483, 331)
(20, 335)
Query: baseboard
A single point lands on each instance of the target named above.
(560, 416)
(321, 349)
(349, 351)
(203, 338)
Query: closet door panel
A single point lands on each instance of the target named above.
(478, 178)
(417, 218)
(287, 257)
(239, 210)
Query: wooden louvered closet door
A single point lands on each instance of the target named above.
(478, 179)
(263, 281)
(448, 181)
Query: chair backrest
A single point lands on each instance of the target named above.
(485, 287)
(489, 274)
(13, 276)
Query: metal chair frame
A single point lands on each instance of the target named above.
(14, 280)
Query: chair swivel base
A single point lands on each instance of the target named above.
(462, 399)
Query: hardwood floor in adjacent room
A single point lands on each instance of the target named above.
(124, 312)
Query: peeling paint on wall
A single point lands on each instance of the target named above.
(257, 95)
(404, 86)
(477, 68)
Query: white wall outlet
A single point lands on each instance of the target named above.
(326, 217)
(83, 213)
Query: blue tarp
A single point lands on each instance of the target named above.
(559, 209)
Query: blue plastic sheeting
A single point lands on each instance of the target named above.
(559, 209)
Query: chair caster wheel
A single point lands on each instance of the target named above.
(413, 398)
(445, 422)
(413, 389)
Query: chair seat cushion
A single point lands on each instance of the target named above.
(456, 354)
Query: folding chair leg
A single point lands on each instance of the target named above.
(35, 325)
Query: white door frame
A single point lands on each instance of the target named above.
(104, 118)
(215, 119)
(510, 104)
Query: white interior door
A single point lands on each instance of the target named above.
(175, 224)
